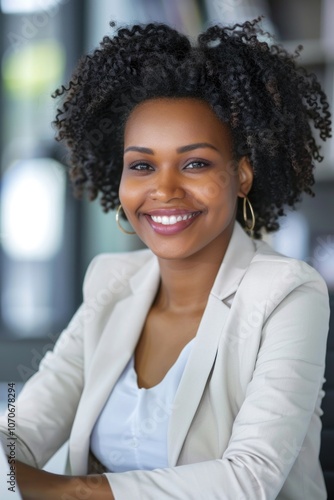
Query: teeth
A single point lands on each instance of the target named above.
(165, 220)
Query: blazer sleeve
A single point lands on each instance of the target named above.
(272, 423)
(46, 406)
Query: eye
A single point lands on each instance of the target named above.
(196, 165)
(141, 167)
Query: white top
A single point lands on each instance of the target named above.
(131, 431)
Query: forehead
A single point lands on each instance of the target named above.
(176, 120)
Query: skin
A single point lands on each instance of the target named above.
(36, 484)
(203, 181)
(164, 171)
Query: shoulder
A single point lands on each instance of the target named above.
(275, 277)
(112, 269)
(276, 266)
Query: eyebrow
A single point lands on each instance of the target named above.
(182, 149)
(197, 145)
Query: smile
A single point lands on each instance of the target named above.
(171, 224)
(173, 219)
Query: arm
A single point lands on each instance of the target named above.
(35, 484)
(45, 412)
(46, 406)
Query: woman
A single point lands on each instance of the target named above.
(194, 368)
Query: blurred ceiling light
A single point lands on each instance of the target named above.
(32, 211)
(26, 6)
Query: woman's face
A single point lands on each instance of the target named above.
(179, 185)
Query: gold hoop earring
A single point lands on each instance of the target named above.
(249, 224)
(119, 208)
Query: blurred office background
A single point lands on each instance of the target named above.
(47, 238)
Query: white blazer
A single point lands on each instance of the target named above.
(245, 423)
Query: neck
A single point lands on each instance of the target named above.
(186, 283)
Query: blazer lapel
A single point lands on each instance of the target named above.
(201, 360)
(195, 376)
(113, 352)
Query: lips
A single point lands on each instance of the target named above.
(170, 222)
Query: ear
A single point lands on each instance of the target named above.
(246, 175)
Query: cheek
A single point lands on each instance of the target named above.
(127, 190)
(132, 194)
(220, 188)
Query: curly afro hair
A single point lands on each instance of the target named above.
(254, 86)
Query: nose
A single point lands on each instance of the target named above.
(167, 186)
